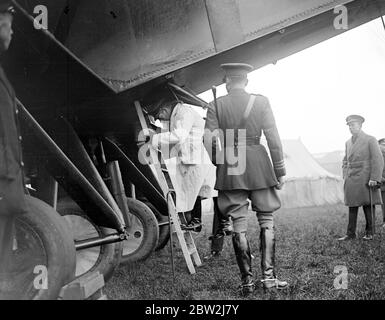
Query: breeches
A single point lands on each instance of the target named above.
(234, 204)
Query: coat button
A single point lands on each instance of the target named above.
(22, 163)
(20, 138)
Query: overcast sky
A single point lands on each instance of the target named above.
(313, 91)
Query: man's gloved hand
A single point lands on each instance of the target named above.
(281, 182)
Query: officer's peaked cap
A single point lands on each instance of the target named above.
(381, 140)
(237, 69)
(354, 118)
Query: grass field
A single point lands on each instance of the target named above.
(307, 255)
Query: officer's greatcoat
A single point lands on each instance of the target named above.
(259, 172)
(383, 171)
(12, 196)
(362, 162)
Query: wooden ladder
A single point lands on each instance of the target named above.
(160, 171)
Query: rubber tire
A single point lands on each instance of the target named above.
(164, 231)
(110, 254)
(150, 232)
(54, 236)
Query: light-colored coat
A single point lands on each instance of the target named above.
(363, 161)
(188, 162)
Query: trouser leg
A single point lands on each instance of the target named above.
(352, 224)
(369, 219)
(196, 213)
(383, 213)
(233, 203)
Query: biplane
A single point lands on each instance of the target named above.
(78, 80)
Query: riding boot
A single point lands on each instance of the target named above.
(267, 249)
(243, 256)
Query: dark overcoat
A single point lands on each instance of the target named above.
(362, 162)
(12, 193)
(259, 172)
(383, 171)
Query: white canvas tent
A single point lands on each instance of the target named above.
(307, 184)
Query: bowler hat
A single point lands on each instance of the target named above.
(354, 118)
(237, 69)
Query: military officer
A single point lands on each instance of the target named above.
(381, 142)
(244, 170)
(12, 196)
(362, 169)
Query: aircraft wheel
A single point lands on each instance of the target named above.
(164, 228)
(105, 258)
(43, 258)
(143, 233)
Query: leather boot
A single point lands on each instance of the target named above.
(267, 249)
(243, 256)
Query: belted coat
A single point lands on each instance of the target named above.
(246, 166)
(12, 193)
(362, 162)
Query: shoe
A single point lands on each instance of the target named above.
(267, 250)
(345, 238)
(368, 237)
(212, 256)
(269, 284)
(195, 225)
(247, 288)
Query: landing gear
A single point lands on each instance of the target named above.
(43, 258)
(104, 258)
(143, 234)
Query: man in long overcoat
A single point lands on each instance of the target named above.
(381, 142)
(244, 170)
(362, 169)
(12, 196)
